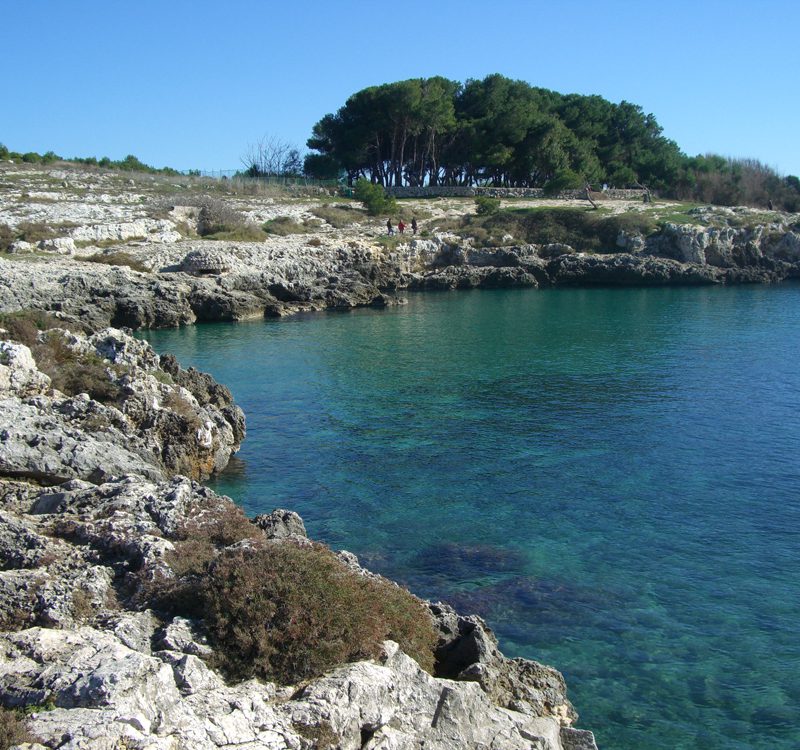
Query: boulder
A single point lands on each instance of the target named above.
(281, 524)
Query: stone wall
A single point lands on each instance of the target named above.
(455, 191)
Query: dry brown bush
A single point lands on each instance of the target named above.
(284, 225)
(339, 216)
(13, 728)
(290, 612)
(119, 258)
(24, 326)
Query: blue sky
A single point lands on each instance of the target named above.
(193, 84)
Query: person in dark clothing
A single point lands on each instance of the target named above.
(389, 229)
(414, 225)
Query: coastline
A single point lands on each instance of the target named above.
(105, 512)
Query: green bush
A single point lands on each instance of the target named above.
(374, 198)
(485, 206)
(564, 179)
(289, 612)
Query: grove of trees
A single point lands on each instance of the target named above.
(507, 133)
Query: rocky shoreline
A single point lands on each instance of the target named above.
(101, 455)
(184, 278)
(94, 497)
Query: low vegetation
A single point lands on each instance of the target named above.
(119, 258)
(70, 371)
(581, 228)
(26, 231)
(284, 611)
(290, 612)
(283, 226)
(13, 728)
(340, 215)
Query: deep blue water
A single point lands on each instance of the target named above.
(609, 476)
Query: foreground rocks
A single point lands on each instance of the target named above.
(88, 513)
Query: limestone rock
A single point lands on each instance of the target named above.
(206, 261)
(60, 245)
(281, 524)
(468, 650)
(19, 375)
(155, 428)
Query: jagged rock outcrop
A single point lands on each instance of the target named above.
(157, 421)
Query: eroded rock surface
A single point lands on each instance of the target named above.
(159, 421)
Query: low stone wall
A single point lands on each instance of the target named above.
(455, 191)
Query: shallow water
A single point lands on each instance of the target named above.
(609, 476)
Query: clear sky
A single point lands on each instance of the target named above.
(192, 83)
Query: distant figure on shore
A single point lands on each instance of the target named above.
(401, 227)
(769, 204)
(389, 228)
(414, 225)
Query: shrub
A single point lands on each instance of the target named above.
(608, 228)
(564, 179)
(24, 325)
(118, 259)
(196, 544)
(374, 198)
(13, 728)
(220, 525)
(246, 233)
(216, 216)
(74, 372)
(485, 206)
(338, 216)
(34, 232)
(290, 612)
(7, 237)
(284, 225)
(185, 409)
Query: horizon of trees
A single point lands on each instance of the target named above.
(507, 133)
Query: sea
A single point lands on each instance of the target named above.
(610, 477)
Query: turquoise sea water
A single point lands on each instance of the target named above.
(611, 477)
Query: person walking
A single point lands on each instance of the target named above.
(414, 225)
(401, 227)
(389, 229)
